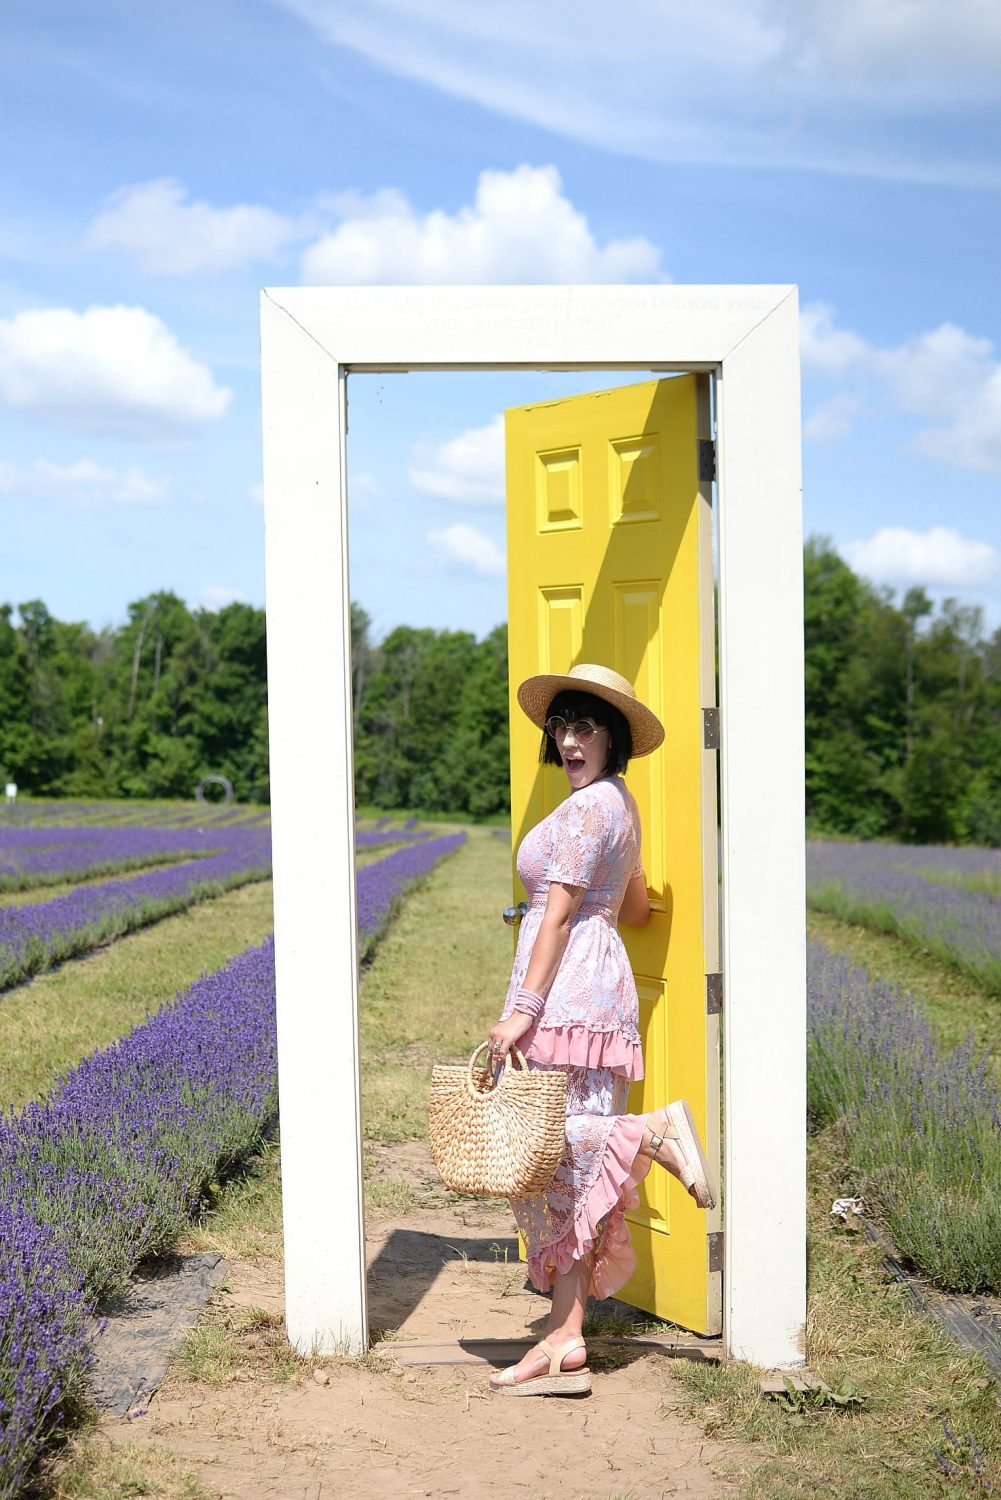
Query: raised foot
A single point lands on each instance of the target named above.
(672, 1140)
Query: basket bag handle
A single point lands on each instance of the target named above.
(514, 1056)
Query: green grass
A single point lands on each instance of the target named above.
(61, 1016)
(122, 812)
(365, 813)
(230, 1343)
(241, 1218)
(435, 986)
(98, 1470)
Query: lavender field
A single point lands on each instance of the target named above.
(107, 1168)
(946, 901)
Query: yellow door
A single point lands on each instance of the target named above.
(610, 561)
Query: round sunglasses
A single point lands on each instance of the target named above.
(584, 730)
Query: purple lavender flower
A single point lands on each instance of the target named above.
(44, 1341)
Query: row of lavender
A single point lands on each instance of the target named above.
(106, 1170)
(37, 856)
(922, 1125)
(945, 900)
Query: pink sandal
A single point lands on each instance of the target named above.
(696, 1172)
(558, 1382)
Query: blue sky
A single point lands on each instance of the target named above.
(171, 160)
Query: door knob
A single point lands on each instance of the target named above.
(513, 914)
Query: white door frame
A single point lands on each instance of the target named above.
(748, 336)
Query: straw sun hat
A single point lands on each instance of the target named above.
(536, 694)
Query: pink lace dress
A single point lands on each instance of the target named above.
(588, 1027)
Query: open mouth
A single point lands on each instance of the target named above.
(573, 762)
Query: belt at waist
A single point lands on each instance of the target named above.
(586, 908)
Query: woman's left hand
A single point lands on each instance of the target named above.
(507, 1032)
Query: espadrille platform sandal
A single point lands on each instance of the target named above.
(696, 1173)
(558, 1382)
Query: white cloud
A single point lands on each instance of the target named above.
(520, 228)
(469, 547)
(825, 349)
(938, 558)
(110, 369)
(172, 237)
(468, 469)
(83, 483)
(946, 376)
(741, 81)
(952, 377)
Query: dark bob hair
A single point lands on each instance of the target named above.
(573, 705)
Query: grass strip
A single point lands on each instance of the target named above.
(956, 1005)
(987, 883)
(27, 880)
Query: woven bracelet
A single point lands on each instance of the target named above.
(529, 1003)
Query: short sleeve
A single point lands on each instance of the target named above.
(579, 835)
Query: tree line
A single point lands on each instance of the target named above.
(903, 709)
(145, 710)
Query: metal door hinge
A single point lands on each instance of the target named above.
(714, 1246)
(710, 728)
(714, 994)
(707, 460)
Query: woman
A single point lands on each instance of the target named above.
(572, 1004)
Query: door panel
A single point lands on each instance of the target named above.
(610, 560)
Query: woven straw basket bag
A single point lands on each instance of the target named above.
(498, 1138)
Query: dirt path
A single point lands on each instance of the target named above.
(374, 1429)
